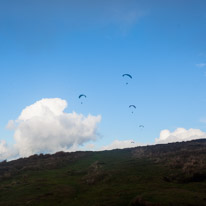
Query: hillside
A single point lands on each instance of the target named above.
(170, 174)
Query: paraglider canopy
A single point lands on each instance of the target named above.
(82, 95)
(141, 126)
(133, 107)
(128, 76)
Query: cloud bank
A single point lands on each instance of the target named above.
(118, 144)
(179, 135)
(45, 127)
(3, 149)
(7, 152)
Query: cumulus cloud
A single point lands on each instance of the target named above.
(179, 135)
(121, 144)
(201, 65)
(7, 152)
(90, 147)
(11, 125)
(3, 149)
(45, 127)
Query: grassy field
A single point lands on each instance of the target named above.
(139, 176)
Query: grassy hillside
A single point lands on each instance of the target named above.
(172, 174)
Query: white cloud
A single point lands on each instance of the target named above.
(44, 107)
(3, 148)
(121, 144)
(90, 147)
(6, 152)
(179, 135)
(45, 127)
(201, 65)
(11, 125)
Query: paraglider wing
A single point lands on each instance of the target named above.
(82, 95)
(141, 126)
(132, 106)
(127, 75)
(130, 76)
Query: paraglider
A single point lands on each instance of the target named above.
(81, 96)
(141, 129)
(133, 107)
(127, 76)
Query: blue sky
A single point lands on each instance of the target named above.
(60, 49)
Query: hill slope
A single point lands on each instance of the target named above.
(172, 174)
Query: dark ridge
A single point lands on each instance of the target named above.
(164, 174)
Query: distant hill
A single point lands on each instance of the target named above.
(167, 174)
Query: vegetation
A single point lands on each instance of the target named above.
(172, 174)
